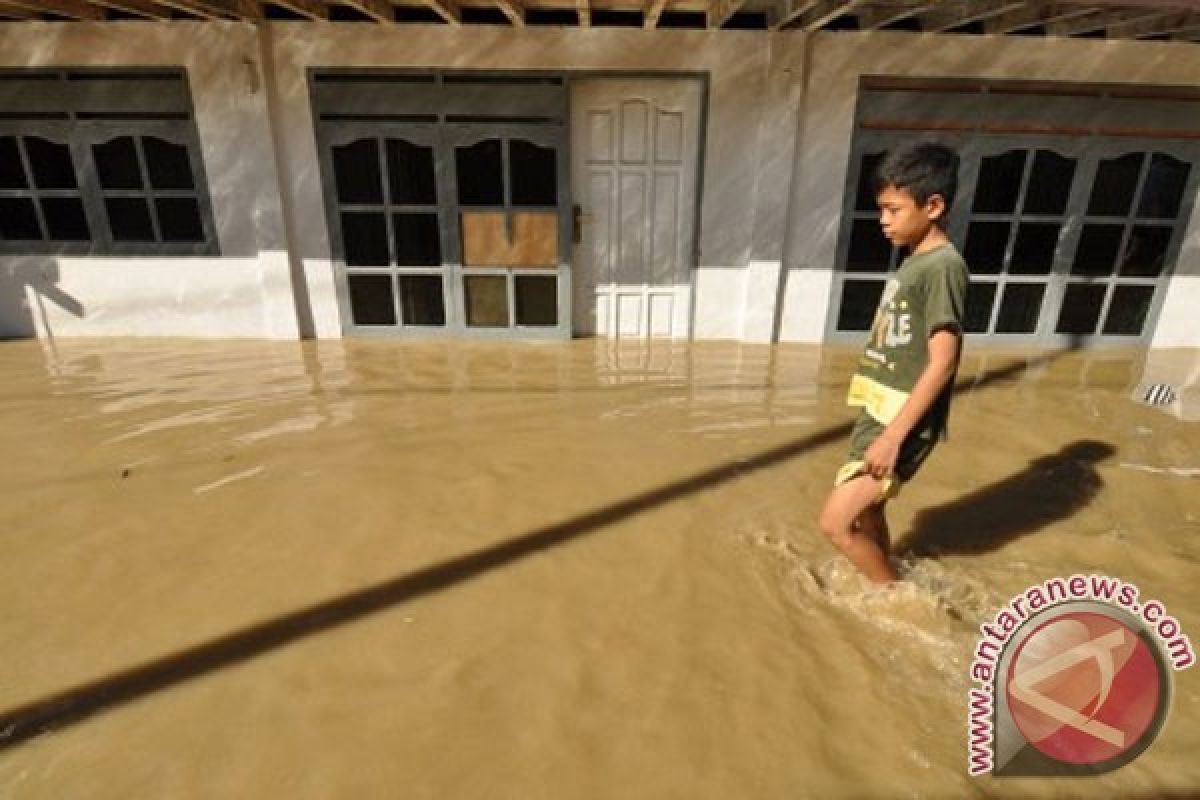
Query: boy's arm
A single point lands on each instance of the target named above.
(880, 458)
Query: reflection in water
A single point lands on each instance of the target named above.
(691, 636)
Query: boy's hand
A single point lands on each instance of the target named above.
(880, 458)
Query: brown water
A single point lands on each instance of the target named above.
(580, 570)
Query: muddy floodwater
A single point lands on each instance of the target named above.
(453, 570)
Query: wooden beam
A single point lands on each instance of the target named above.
(653, 12)
(1033, 15)
(74, 9)
(206, 9)
(1154, 25)
(817, 15)
(1101, 20)
(962, 12)
(141, 8)
(378, 10)
(448, 10)
(513, 10)
(583, 9)
(874, 18)
(311, 9)
(13, 12)
(719, 12)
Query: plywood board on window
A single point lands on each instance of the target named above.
(486, 241)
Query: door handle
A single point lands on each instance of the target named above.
(577, 220)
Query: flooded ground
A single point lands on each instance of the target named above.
(580, 570)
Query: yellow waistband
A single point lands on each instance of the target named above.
(881, 402)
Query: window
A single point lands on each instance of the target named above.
(101, 162)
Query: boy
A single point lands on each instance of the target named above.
(906, 374)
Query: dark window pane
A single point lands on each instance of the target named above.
(12, 172)
(1081, 308)
(999, 183)
(410, 173)
(1128, 309)
(50, 163)
(1146, 251)
(480, 174)
(1097, 250)
(364, 237)
(1163, 190)
(980, 297)
(984, 250)
(129, 219)
(486, 301)
(1049, 183)
(179, 219)
(536, 299)
(117, 164)
(421, 299)
(167, 164)
(65, 220)
(860, 299)
(418, 242)
(371, 300)
(1116, 179)
(1033, 252)
(356, 172)
(1019, 308)
(18, 219)
(869, 251)
(533, 174)
(864, 198)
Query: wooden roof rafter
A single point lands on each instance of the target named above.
(378, 10)
(309, 9)
(448, 10)
(140, 8)
(948, 15)
(583, 9)
(719, 12)
(15, 12)
(513, 10)
(875, 18)
(653, 12)
(1035, 14)
(1154, 25)
(72, 9)
(217, 9)
(1101, 20)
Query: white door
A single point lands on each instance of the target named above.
(634, 149)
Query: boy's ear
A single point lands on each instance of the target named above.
(935, 207)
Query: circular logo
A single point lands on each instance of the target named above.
(1086, 687)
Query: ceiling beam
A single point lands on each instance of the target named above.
(790, 10)
(311, 9)
(583, 10)
(448, 10)
(378, 10)
(719, 12)
(1098, 21)
(15, 12)
(1033, 15)
(962, 12)
(74, 9)
(653, 12)
(514, 11)
(1154, 25)
(141, 8)
(875, 18)
(216, 9)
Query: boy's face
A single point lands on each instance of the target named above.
(905, 222)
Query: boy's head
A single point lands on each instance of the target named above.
(915, 186)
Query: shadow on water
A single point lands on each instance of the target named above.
(1049, 489)
(80, 702)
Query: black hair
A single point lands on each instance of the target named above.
(922, 168)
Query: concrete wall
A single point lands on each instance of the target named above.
(748, 141)
(247, 290)
(827, 128)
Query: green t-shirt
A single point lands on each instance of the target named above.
(928, 292)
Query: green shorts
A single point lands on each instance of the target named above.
(913, 452)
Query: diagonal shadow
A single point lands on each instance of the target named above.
(1050, 488)
(79, 702)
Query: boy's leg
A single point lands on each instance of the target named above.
(859, 543)
(873, 523)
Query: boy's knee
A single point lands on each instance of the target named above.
(834, 525)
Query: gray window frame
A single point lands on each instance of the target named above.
(58, 115)
(1089, 151)
(408, 109)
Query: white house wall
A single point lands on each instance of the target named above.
(839, 60)
(247, 289)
